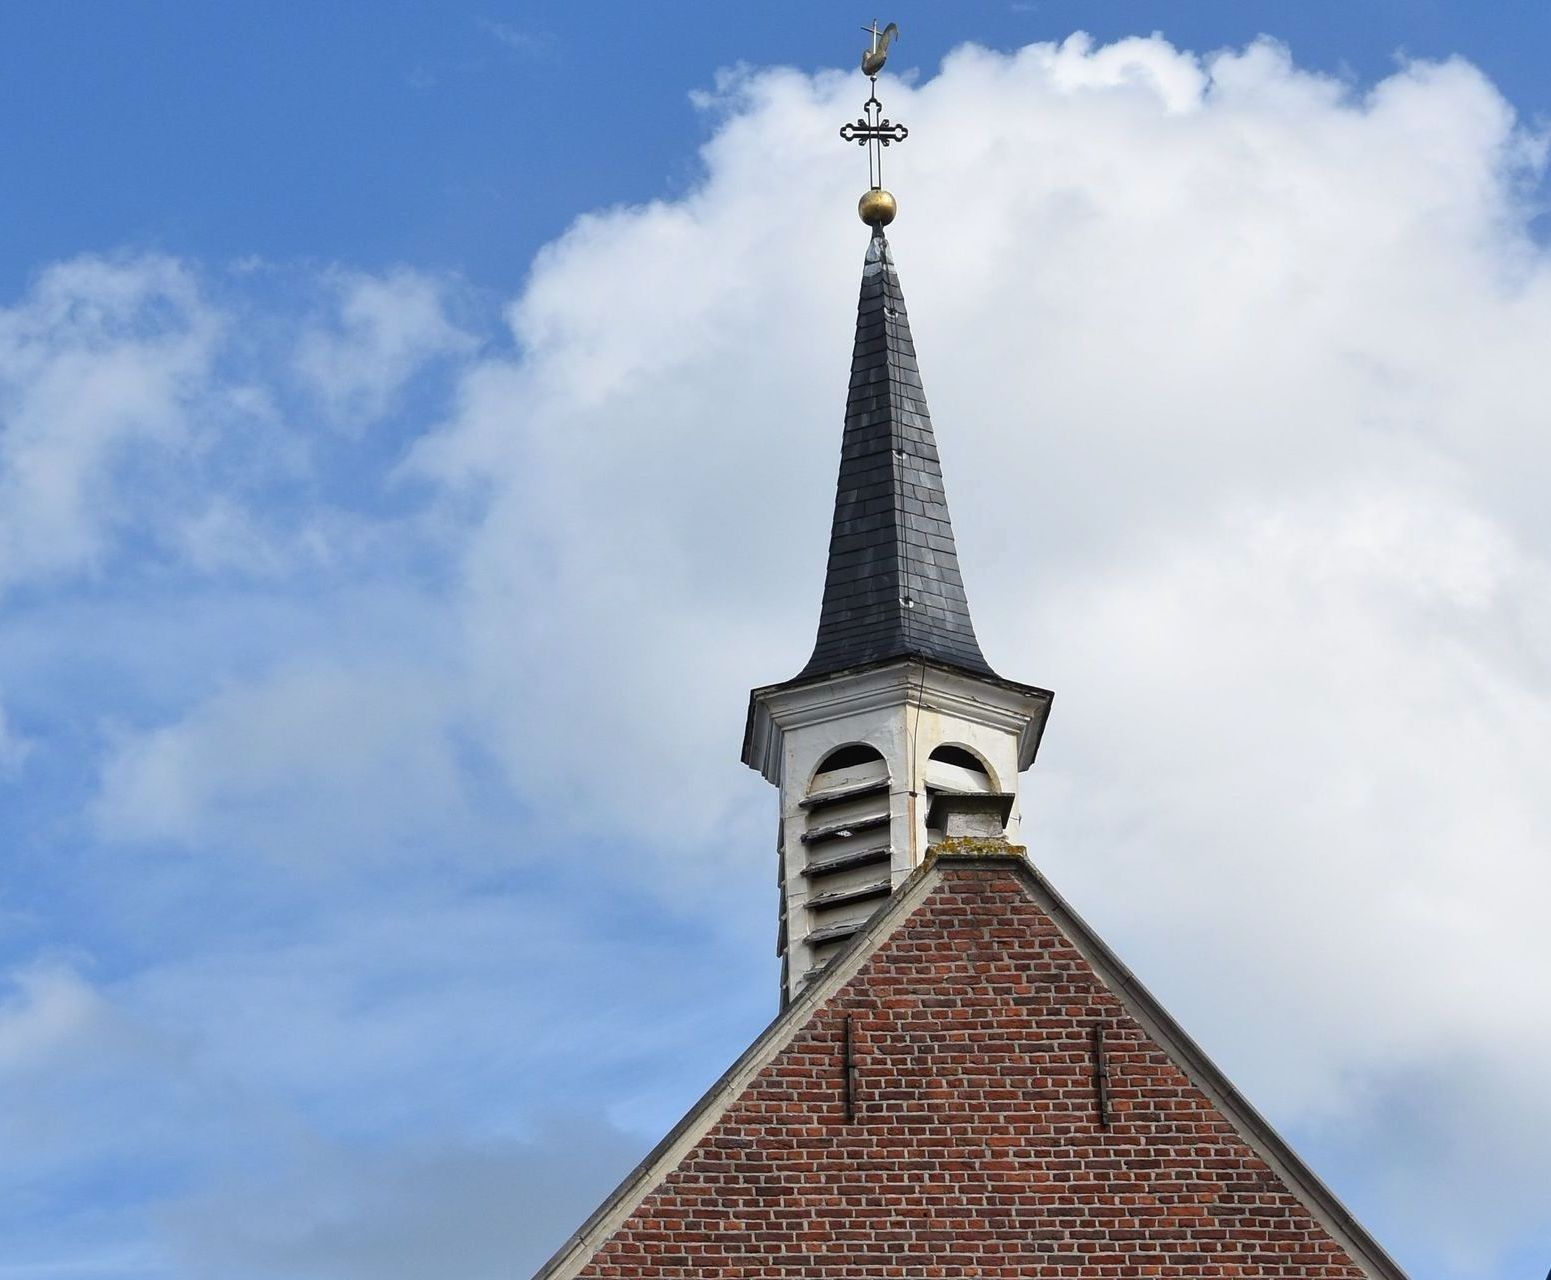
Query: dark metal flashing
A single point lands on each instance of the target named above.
(987, 856)
(893, 587)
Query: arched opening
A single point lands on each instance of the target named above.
(962, 758)
(846, 768)
(849, 757)
(955, 768)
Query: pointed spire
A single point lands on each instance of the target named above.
(893, 587)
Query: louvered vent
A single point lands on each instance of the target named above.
(846, 847)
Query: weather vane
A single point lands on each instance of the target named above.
(874, 130)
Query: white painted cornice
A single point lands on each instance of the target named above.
(998, 704)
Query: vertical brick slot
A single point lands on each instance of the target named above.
(848, 1066)
(1100, 1075)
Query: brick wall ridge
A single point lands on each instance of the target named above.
(983, 858)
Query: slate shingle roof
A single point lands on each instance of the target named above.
(893, 587)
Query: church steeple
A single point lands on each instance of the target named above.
(893, 587)
(897, 734)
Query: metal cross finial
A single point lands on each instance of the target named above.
(872, 129)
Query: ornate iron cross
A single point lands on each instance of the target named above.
(872, 129)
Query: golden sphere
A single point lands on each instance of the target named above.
(877, 207)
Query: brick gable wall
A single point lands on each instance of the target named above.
(976, 1146)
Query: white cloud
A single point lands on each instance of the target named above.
(98, 363)
(84, 1082)
(368, 1080)
(318, 758)
(48, 1012)
(529, 43)
(141, 409)
(1303, 773)
(387, 328)
(497, 1208)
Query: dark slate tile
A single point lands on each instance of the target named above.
(891, 537)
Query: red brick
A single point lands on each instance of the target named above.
(977, 1147)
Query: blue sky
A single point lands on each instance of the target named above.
(464, 138)
(417, 429)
